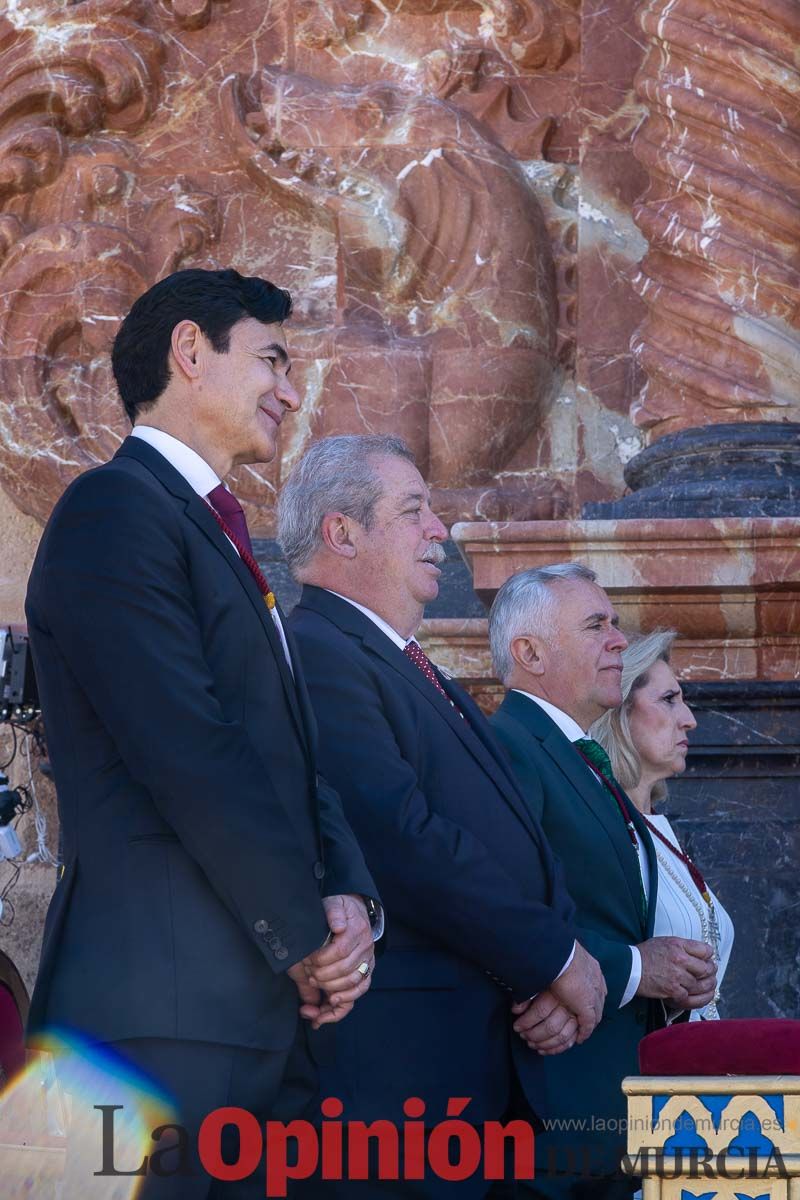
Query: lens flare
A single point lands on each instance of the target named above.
(59, 1125)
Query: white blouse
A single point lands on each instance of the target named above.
(682, 912)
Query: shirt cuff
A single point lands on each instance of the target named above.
(635, 977)
(380, 922)
(568, 963)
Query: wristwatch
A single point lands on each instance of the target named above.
(376, 917)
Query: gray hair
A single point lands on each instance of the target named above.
(336, 475)
(525, 604)
(613, 730)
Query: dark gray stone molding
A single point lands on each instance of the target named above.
(737, 812)
(736, 470)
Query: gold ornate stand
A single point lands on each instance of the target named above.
(715, 1137)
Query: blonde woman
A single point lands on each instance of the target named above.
(647, 739)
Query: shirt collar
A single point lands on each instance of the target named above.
(399, 641)
(186, 461)
(567, 724)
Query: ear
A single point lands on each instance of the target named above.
(337, 534)
(187, 343)
(527, 652)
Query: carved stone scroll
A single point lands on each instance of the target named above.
(721, 280)
(64, 288)
(400, 212)
(98, 67)
(458, 323)
(55, 314)
(524, 34)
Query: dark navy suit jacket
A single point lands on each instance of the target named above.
(197, 840)
(476, 909)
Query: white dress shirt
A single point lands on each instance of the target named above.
(573, 732)
(384, 627)
(201, 479)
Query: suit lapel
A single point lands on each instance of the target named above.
(597, 798)
(652, 864)
(482, 730)
(466, 727)
(199, 513)
(541, 730)
(301, 691)
(481, 747)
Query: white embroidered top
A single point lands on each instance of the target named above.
(682, 912)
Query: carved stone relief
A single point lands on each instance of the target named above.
(137, 137)
(407, 188)
(721, 279)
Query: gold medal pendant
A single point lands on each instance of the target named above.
(269, 600)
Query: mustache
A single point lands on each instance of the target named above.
(434, 554)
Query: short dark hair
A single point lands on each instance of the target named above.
(215, 300)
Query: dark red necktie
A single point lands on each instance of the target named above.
(420, 659)
(231, 512)
(232, 521)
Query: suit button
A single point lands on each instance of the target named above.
(319, 870)
(261, 927)
(282, 953)
(274, 943)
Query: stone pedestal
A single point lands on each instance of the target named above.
(715, 1137)
(716, 471)
(730, 586)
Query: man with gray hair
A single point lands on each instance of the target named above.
(556, 645)
(477, 916)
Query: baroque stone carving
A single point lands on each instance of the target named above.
(63, 290)
(396, 211)
(98, 67)
(191, 14)
(456, 75)
(72, 263)
(57, 379)
(721, 280)
(524, 34)
(409, 189)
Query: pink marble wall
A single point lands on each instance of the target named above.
(730, 586)
(445, 186)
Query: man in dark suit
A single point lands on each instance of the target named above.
(205, 865)
(477, 912)
(557, 646)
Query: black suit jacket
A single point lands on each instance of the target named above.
(196, 839)
(470, 887)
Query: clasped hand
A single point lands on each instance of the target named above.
(567, 1012)
(679, 970)
(328, 981)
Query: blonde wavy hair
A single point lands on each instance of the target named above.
(613, 730)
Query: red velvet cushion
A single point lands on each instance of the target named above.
(751, 1047)
(12, 1047)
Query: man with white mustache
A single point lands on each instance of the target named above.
(477, 914)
